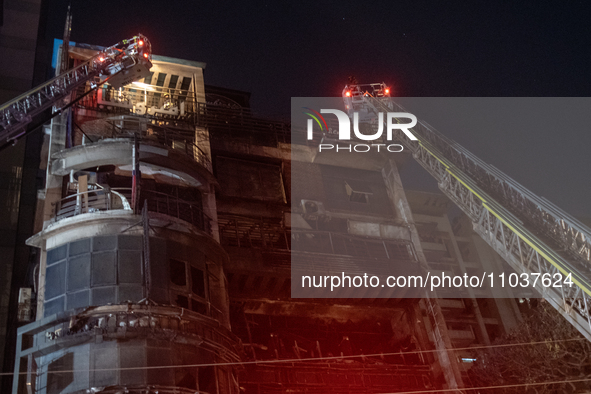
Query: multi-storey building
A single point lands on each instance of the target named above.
(130, 277)
(481, 315)
(166, 230)
(19, 72)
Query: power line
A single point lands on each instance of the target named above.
(490, 387)
(296, 360)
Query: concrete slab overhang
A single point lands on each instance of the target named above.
(118, 152)
(189, 327)
(83, 226)
(121, 220)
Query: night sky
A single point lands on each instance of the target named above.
(279, 50)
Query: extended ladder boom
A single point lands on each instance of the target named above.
(119, 64)
(530, 233)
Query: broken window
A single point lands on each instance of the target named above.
(355, 190)
(199, 307)
(206, 379)
(197, 282)
(362, 194)
(182, 301)
(185, 378)
(241, 178)
(178, 275)
(60, 374)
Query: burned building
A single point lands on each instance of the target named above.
(166, 232)
(130, 279)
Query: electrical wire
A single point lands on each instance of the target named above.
(296, 360)
(489, 387)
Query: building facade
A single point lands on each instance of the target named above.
(166, 231)
(20, 70)
(125, 285)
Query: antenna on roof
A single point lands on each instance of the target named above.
(65, 58)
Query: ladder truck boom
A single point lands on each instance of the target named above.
(120, 64)
(529, 232)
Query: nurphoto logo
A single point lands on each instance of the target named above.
(344, 133)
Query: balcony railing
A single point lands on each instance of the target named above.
(180, 107)
(241, 126)
(257, 233)
(146, 100)
(92, 201)
(106, 199)
(187, 211)
(179, 140)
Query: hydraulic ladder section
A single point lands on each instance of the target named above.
(530, 233)
(119, 64)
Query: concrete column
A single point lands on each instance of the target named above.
(446, 356)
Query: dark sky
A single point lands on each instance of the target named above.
(279, 50)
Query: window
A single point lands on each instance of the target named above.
(361, 195)
(184, 88)
(182, 301)
(197, 282)
(160, 80)
(206, 379)
(173, 81)
(186, 83)
(193, 293)
(178, 276)
(148, 79)
(240, 178)
(354, 190)
(199, 307)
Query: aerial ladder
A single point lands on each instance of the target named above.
(533, 235)
(119, 65)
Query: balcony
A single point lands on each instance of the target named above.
(241, 231)
(145, 100)
(102, 199)
(187, 211)
(109, 199)
(158, 134)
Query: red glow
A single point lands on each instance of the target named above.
(101, 59)
(141, 42)
(146, 55)
(348, 94)
(387, 91)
